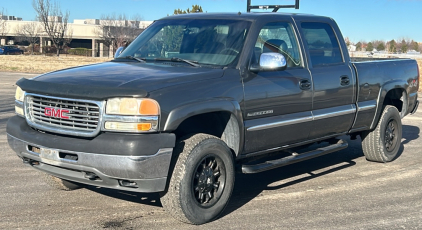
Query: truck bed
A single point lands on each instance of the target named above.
(376, 77)
(370, 59)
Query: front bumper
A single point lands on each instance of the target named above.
(114, 160)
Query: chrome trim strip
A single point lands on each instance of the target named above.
(341, 112)
(132, 119)
(366, 105)
(280, 123)
(100, 104)
(129, 118)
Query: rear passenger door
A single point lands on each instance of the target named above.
(333, 106)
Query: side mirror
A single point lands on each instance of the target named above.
(119, 51)
(270, 62)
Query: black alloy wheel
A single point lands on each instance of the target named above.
(390, 136)
(209, 180)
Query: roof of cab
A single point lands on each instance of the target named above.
(239, 16)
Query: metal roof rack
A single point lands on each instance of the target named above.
(274, 7)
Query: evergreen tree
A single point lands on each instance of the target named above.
(195, 9)
(392, 48)
(404, 47)
(415, 46)
(359, 46)
(370, 47)
(381, 46)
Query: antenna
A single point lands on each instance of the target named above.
(274, 7)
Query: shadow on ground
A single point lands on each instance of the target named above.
(249, 186)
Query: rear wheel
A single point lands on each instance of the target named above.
(59, 183)
(202, 180)
(383, 143)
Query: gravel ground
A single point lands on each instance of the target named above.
(337, 191)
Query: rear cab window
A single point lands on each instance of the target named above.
(323, 46)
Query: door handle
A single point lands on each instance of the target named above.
(344, 80)
(305, 84)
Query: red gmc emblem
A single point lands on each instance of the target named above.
(56, 112)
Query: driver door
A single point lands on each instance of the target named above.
(278, 104)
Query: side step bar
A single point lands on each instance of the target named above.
(294, 158)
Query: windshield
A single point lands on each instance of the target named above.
(213, 42)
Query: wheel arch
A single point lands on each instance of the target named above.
(224, 121)
(392, 93)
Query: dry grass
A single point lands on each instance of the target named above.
(42, 64)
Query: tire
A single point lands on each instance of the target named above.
(383, 143)
(60, 184)
(202, 180)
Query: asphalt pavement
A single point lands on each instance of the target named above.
(340, 190)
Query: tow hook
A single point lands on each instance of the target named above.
(91, 176)
(30, 161)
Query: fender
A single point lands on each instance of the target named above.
(387, 87)
(235, 124)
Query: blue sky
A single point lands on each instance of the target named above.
(358, 19)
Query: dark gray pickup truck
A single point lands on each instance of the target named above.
(196, 97)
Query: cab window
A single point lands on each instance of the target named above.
(322, 43)
(278, 37)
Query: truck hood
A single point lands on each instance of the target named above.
(109, 79)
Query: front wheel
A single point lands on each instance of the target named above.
(383, 143)
(202, 180)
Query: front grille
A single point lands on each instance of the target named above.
(66, 116)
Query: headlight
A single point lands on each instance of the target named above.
(19, 94)
(132, 115)
(132, 106)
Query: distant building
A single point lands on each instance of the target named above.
(83, 33)
(10, 18)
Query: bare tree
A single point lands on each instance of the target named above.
(30, 32)
(114, 29)
(54, 22)
(3, 23)
(347, 41)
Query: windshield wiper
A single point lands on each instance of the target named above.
(176, 59)
(142, 60)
